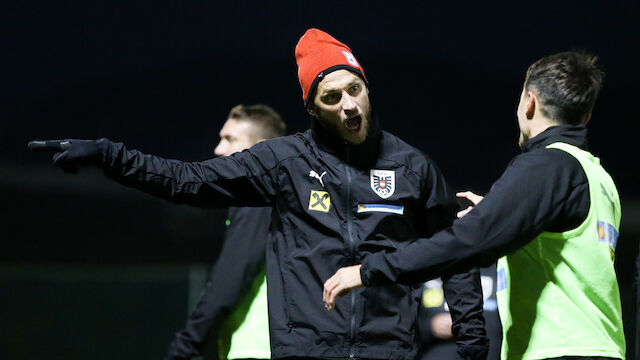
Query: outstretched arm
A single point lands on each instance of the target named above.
(537, 192)
(349, 278)
(542, 191)
(242, 179)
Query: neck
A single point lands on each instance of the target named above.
(571, 134)
(535, 131)
(540, 124)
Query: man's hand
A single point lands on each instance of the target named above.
(475, 199)
(340, 284)
(70, 154)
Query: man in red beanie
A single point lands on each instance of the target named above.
(340, 191)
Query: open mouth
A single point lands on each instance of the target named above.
(354, 124)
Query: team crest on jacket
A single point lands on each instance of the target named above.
(383, 182)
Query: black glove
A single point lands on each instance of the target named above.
(72, 153)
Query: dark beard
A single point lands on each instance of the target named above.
(363, 155)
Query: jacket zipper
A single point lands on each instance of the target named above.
(352, 253)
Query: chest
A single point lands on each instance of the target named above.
(381, 199)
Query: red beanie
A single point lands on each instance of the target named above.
(317, 54)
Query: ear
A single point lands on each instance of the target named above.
(586, 120)
(530, 107)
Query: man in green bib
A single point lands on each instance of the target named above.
(232, 309)
(552, 219)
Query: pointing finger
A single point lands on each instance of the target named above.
(44, 145)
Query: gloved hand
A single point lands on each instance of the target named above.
(72, 153)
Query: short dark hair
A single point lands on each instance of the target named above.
(264, 117)
(567, 85)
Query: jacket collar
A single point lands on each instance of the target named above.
(363, 155)
(575, 135)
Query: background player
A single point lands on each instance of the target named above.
(232, 310)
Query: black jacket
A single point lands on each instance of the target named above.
(240, 261)
(541, 190)
(324, 196)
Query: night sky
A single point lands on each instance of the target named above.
(161, 76)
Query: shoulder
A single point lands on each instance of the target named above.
(280, 149)
(284, 145)
(545, 169)
(547, 160)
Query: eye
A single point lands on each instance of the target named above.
(331, 98)
(354, 89)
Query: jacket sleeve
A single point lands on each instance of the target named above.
(462, 291)
(245, 178)
(538, 191)
(241, 260)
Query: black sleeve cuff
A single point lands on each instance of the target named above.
(472, 352)
(364, 275)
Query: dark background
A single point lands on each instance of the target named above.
(161, 76)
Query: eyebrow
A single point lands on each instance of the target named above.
(337, 89)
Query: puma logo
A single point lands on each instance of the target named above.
(314, 174)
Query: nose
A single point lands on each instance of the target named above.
(219, 150)
(348, 104)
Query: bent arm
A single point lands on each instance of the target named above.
(463, 291)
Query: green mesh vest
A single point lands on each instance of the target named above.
(246, 333)
(558, 295)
